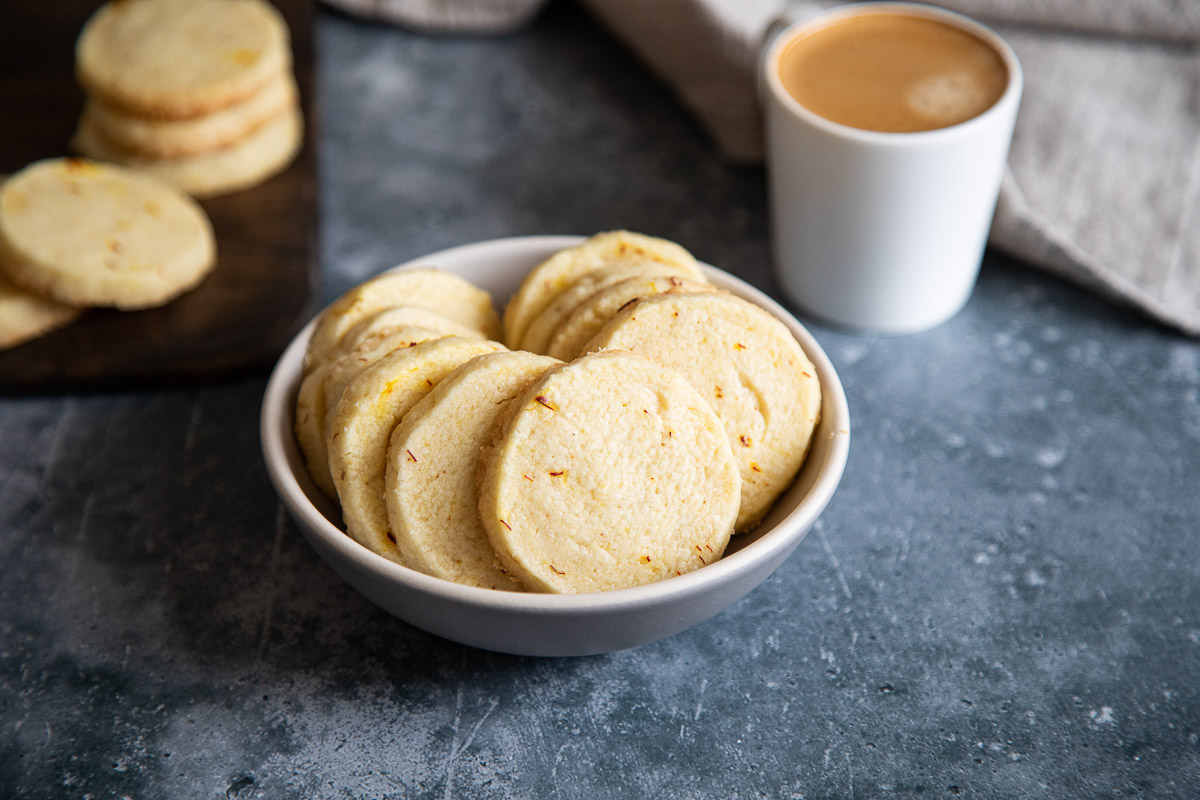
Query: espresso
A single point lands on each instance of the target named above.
(894, 72)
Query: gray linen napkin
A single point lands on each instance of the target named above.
(1103, 183)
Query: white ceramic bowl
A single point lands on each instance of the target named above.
(543, 624)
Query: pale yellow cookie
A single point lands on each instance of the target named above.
(554, 275)
(433, 464)
(382, 323)
(425, 287)
(610, 472)
(536, 337)
(747, 365)
(262, 154)
(577, 329)
(361, 425)
(181, 58)
(89, 234)
(173, 138)
(25, 316)
(312, 397)
(345, 367)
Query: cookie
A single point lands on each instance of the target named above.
(25, 316)
(361, 425)
(536, 337)
(173, 138)
(554, 275)
(178, 59)
(312, 397)
(433, 463)
(262, 154)
(88, 234)
(586, 320)
(345, 367)
(609, 472)
(424, 287)
(382, 323)
(747, 365)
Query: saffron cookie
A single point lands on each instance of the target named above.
(346, 367)
(747, 365)
(361, 426)
(25, 316)
(88, 234)
(554, 275)
(608, 472)
(177, 59)
(173, 138)
(425, 287)
(537, 335)
(433, 463)
(586, 320)
(328, 379)
(249, 161)
(382, 323)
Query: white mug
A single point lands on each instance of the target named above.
(874, 230)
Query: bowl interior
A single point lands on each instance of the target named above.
(499, 266)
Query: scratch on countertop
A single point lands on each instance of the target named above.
(272, 576)
(833, 561)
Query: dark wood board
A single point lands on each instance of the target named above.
(264, 285)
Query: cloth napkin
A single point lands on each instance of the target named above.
(1103, 180)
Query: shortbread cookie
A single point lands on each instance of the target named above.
(382, 323)
(610, 472)
(173, 138)
(537, 334)
(347, 366)
(577, 329)
(318, 385)
(262, 154)
(89, 234)
(554, 275)
(433, 463)
(425, 287)
(747, 365)
(25, 316)
(181, 58)
(362, 423)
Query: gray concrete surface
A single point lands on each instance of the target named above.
(1002, 600)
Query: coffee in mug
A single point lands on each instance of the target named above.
(894, 72)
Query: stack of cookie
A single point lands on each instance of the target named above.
(626, 291)
(75, 234)
(197, 92)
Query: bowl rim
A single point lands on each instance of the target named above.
(277, 442)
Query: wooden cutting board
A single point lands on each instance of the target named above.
(264, 284)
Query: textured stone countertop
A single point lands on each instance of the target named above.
(1002, 600)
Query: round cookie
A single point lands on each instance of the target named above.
(25, 316)
(424, 287)
(265, 152)
(312, 403)
(536, 337)
(608, 472)
(89, 234)
(180, 58)
(382, 323)
(433, 463)
(554, 275)
(173, 138)
(346, 367)
(361, 425)
(747, 365)
(586, 320)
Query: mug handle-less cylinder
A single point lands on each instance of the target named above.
(882, 231)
